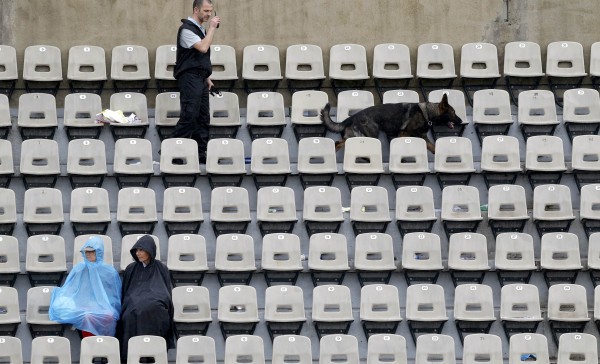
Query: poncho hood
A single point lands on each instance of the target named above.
(96, 243)
(147, 244)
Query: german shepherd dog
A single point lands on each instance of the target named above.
(395, 120)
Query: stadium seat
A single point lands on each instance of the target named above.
(382, 348)
(552, 209)
(473, 309)
(567, 309)
(100, 348)
(234, 259)
(129, 103)
(352, 101)
(45, 260)
(284, 310)
(560, 259)
(270, 162)
(249, 348)
(132, 164)
(391, 67)
(597, 306)
(225, 162)
(400, 96)
(415, 210)
(224, 115)
(275, 210)
(187, 259)
(182, 210)
(379, 309)
(305, 113)
(224, 67)
(374, 259)
(565, 67)
(11, 314)
(127, 244)
(331, 310)
(37, 116)
(167, 109)
(38, 303)
(589, 213)
(453, 161)
(456, 99)
(435, 67)
(42, 69)
(581, 112)
(328, 258)
(147, 348)
(522, 67)
(191, 348)
(179, 162)
(86, 69)
(537, 113)
(544, 160)
(514, 258)
(491, 113)
(6, 163)
(136, 211)
(90, 211)
(292, 348)
(526, 347)
(304, 67)
(500, 160)
(520, 309)
(237, 310)
(467, 258)
(130, 68)
(482, 347)
(322, 211)
(11, 349)
(425, 309)
(265, 115)
(585, 159)
(8, 211)
(86, 163)
(421, 257)
(281, 260)
(9, 260)
(39, 165)
(55, 348)
(229, 210)
(79, 118)
(408, 161)
(317, 164)
(347, 67)
(582, 348)
(163, 68)
(478, 67)
(82, 239)
(363, 162)
(191, 307)
(5, 119)
(461, 211)
(432, 347)
(507, 209)
(261, 68)
(369, 209)
(593, 258)
(43, 211)
(338, 348)
(9, 73)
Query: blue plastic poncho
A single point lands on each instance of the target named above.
(90, 298)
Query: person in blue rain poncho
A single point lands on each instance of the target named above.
(90, 298)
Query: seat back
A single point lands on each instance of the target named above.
(432, 347)
(454, 155)
(39, 157)
(479, 60)
(182, 204)
(514, 251)
(352, 101)
(86, 63)
(383, 348)
(130, 102)
(235, 252)
(408, 155)
(229, 204)
(129, 63)
(223, 62)
(560, 251)
(552, 202)
(473, 302)
(133, 156)
(187, 252)
(196, 347)
(307, 105)
(435, 61)
(46, 253)
(477, 347)
(224, 109)
(167, 109)
(537, 107)
(164, 62)
(42, 63)
(460, 203)
(348, 62)
(581, 105)
(37, 110)
(507, 202)
(422, 251)
(369, 203)
(331, 303)
(323, 203)
(374, 251)
(237, 304)
(304, 62)
(328, 251)
(191, 304)
(425, 302)
(89, 204)
(363, 155)
(184, 149)
(288, 348)
(43, 205)
(500, 154)
(414, 203)
(11, 349)
(491, 106)
(391, 61)
(520, 302)
(281, 251)
(397, 96)
(544, 153)
(379, 302)
(522, 59)
(147, 346)
(270, 156)
(565, 59)
(8, 61)
(247, 348)
(225, 156)
(50, 347)
(261, 62)
(81, 109)
(316, 155)
(284, 303)
(468, 251)
(136, 205)
(524, 347)
(265, 108)
(567, 302)
(104, 347)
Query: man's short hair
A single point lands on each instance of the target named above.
(198, 3)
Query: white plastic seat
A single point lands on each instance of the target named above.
(11, 314)
(398, 96)
(284, 310)
(45, 260)
(39, 163)
(585, 159)
(491, 113)
(317, 165)
(507, 209)
(456, 99)
(191, 348)
(246, 348)
(352, 101)
(86, 163)
(526, 347)
(127, 244)
(537, 113)
(42, 68)
(11, 349)
(565, 67)
(38, 304)
(581, 112)
(237, 310)
(147, 346)
(80, 240)
(391, 66)
(261, 67)
(460, 209)
(53, 348)
(439, 348)
(379, 309)
(132, 164)
(435, 66)
(369, 209)
(43, 211)
(478, 67)
(130, 103)
(9, 73)
(588, 208)
(281, 260)
(544, 160)
(275, 210)
(5, 119)
(467, 257)
(187, 259)
(288, 348)
(520, 308)
(79, 118)
(415, 210)
(567, 309)
(305, 113)
(322, 210)
(167, 109)
(265, 115)
(225, 162)
(363, 161)
(99, 347)
(90, 211)
(164, 63)
(328, 258)
(86, 70)
(347, 67)
(10, 265)
(8, 211)
(229, 210)
(576, 347)
(331, 310)
(179, 162)
(425, 309)
(234, 259)
(182, 210)
(500, 160)
(473, 309)
(37, 116)
(191, 310)
(374, 259)
(224, 115)
(514, 257)
(453, 162)
(304, 67)
(382, 348)
(270, 162)
(338, 348)
(130, 68)
(136, 210)
(593, 258)
(224, 66)
(482, 347)
(522, 67)
(552, 209)
(560, 259)
(408, 161)
(421, 257)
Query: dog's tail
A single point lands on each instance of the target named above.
(330, 124)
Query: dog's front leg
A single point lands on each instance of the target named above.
(429, 143)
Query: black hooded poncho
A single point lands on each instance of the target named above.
(146, 304)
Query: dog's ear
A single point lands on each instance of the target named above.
(444, 105)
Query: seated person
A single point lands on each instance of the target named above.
(146, 308)
(90, 298)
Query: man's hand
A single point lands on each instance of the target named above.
(214, 22)
(211, 88)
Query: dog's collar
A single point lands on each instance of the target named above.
(423, 107)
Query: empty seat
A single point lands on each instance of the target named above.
(275, 210)
(270, 165)
(11, 315)
(147, 347)
(163, 68)
(284, 310)
(460, 209)
(338, 348)
(167, 109)
(322, 211)
(224, 115)
(55, 348)
(537, 113)
(90, 211)
(281, 260)
(507, 209)
(9, 73)
(8, 211)
(179, 162)
(574, 347)
(9, 260)
(597, 306)
(379, 309)
(565, 67)
(473, 309)
(352, 101)
(104, 348)
(224, 67)
(130, 68)
(261, 68)
(456, 99)
(37, 116)
(453, 161)
(482, 347)
(585, 159)
(421, 257)
(544, 160)
(593, 257)
(265, 115)
(374, 259)
(588, 208)
(514, 257)
(129, 103)
(567, 309)
(347, 67)
(305, 113)
(491, 113)
(363, 162)
(527, 347)
(182, 210)
(331, 310)
(136, 211)
(439, 348)
(500, 160)
(522, 67)
(86, 163)
(552, 209)
(43, 211)
(467, 257)
(225, 162)
(398, 96)
(192, 348)
(520, 308)
(581, 112)
(415, 210)
(127, 244)
(238, 310)
(5, 119)
(42, 69)
(244, 348)
(229, 210)
(408, 162)
(82, 239)
(46, 261)
(38, 304)
(328, 258)
(86, 70)
(369, 209)
(391, 67)
(478, 67)
(11, 349)
(317, 165)
(191, 310)
(383, 348)
(39, 165)
(79, 119)
(425, 309)
(304, 67)
(560, 259)
(291, 348)
(187, 259)
(234, 259)
(435, 67)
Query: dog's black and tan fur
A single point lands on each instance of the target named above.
(395, 120)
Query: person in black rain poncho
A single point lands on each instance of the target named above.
(146, 304)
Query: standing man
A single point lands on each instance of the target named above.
(192, 71)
